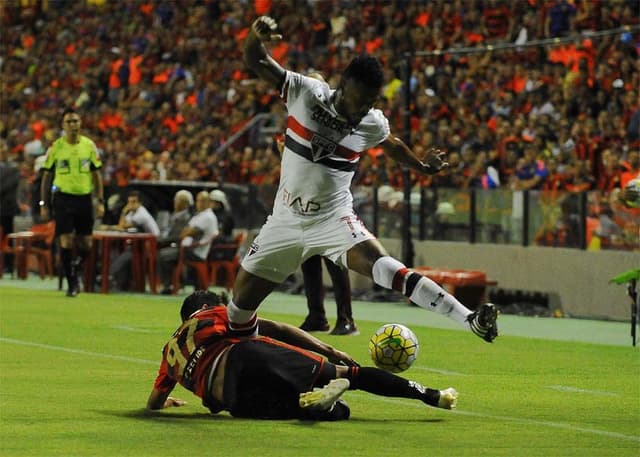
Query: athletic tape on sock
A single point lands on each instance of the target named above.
(242, 322)
(384, 271)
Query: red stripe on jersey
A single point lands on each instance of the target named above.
(347, 153)
(303, 132)
(298, 128)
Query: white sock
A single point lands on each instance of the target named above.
(429, 295)
(393, 274)
(242, 322)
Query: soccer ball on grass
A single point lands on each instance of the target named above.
(393, 347)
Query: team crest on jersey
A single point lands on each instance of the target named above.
(321, 147)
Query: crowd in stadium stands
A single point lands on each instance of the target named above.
(161, 85)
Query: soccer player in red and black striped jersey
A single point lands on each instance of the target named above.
(271, 376)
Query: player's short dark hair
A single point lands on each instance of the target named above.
(365, 69)
(198, 298)
(136, 194)
(67, 110)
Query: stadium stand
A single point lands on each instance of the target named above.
(162, 87)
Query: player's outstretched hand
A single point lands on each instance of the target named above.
(170, 401)
(265, 29)
(434, 161)
(342, 358)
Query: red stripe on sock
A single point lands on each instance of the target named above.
(352, 376)
(398, 279)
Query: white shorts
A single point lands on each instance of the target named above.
(285, 242)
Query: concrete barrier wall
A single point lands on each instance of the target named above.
(580, 278)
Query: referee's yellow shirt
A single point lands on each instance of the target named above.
(73, 164)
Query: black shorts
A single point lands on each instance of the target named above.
(264, 379)
(73, 213)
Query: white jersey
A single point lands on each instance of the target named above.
(321, 150)
(143, 220)
(207, 222)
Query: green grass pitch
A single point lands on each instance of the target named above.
(75, 375)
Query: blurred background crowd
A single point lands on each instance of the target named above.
(161, 86)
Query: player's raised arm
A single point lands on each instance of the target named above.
(263, 30)
(431, 163)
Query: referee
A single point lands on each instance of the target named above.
(74, 164)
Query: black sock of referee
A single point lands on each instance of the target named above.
(66, 258)
(78, 262)
(82, 256)
(380, 382)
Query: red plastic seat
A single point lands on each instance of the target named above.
(200, 267)
(229, 267)
(5, 248)
(435, 274)
(465, 277)
(44, 253)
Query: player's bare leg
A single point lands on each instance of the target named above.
(371, 259)
(249, 291)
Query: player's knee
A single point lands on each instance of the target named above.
(66, 240)
(86, 242)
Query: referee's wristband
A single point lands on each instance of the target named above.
(42, 203)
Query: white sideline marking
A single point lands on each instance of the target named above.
(520, 420)
(554, 425)
(583, 391)
(127, 328)
(388, 400)
(439, 371)
(79, 351)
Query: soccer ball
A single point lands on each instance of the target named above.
(393, 347)
(634, 187)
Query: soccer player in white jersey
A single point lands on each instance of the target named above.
(327, 130)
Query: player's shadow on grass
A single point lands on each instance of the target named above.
(172, 416)
(394, 421)
(144, 414)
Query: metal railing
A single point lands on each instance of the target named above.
(587, 220)
(260, 124)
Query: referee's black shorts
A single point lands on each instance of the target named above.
(73, 213)
(264, 378)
